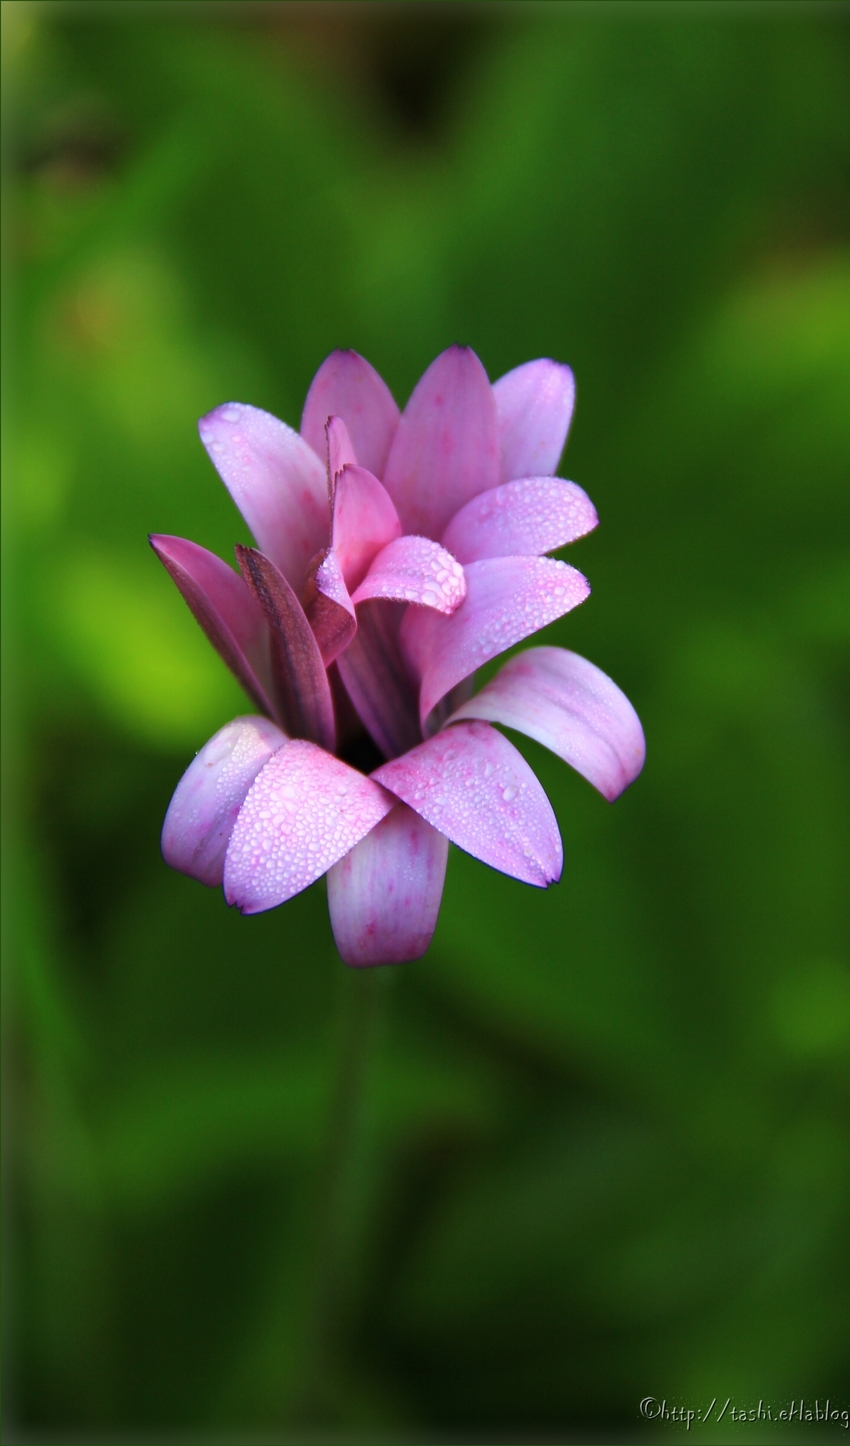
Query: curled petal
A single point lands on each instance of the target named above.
(347, 386)
(384, 896)
(364, 521)
(329, 609)
(276, 481)
(508, 599)
(473, 785)
(415, 570)
(340, 451)
(520, 519)
(570, 706)
(535, 404)
(446, 448)
(378, 680)
(305, 810)
(207, 799)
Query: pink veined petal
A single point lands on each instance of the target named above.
(276, 481)
(508, 599)
(329, 609)
(473, 785)
(304, 811)
(364, 521)
(378, 680)
(301, 682)
(225, 609)
(207, 799)
(339, 449)
(523, 518)
(384, 896)
(570, 706)
(535, 405)
(347, 386)
(415, 570)
(446, 448)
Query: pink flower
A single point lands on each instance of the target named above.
(397, 555)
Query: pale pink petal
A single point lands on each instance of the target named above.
(347, 386)
(305, 810)
(378, 680)
(226, 611)
(473, 785)
(207, 799)
(276, 481)
(329, 609)
(508, 599)
(415, 570)
(446, 447)
(364, 521)
(384, 896)
(301, 683)
(570, 706)
(340, 450)
(520, 519)
(535, 404)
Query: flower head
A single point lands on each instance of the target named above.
(395, 555)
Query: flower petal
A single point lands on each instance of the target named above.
(364, 521)
(384, 896)
(535, 405)
(473, 785)
(570, 706)
(522, 518)
(301, 683)
(508, 599)
(305, 810)
(446, 448)
(329, 609)
(207, 799)
(276, 481)
(339, 449)
(415, 570)
(225, 609)
(378, 680)
(347, 386)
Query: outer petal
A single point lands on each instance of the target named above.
(225, 609)
(520, 519)
(347, 386)
(535, 404)
(210, 794)
(329, 609)
(384, 896)
(378, 680)
(473, 785)
(508, 599)
(570, 706)
(305, 810)
(364, 521)
(415, 570)
(276, 481)
(446, 447)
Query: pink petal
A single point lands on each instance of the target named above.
(305, 810)
(522, 518)
(276, 481)
(535, 404)
(384, 896)
(378, 680)
(508, 599)
(346, 386)
(207, 799)
(364, 521)
(473, 785)
(340, 450)
(446, 447)
(226, 611)
(329, 609)
(415, 570)
(301, 681)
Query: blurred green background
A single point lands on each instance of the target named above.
(606, 1152)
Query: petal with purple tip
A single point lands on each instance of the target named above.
(207, 800)
(523, 518)
(415, 570)
(570, 706)
(378, 680)
(276, 481)
(534, 404)
(384, 896)
(446, 448)
(471, 783)
(364, 521)
(347, 386)
(304, 811)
